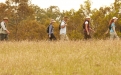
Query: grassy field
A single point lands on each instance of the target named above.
(99, 57)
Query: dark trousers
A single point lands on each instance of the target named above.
(3, 37)
(52, 37)
(86, 36)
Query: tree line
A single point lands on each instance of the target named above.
(29, 22)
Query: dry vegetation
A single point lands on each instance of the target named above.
(102, 57)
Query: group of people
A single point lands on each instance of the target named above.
(63, 25)
(86, 29)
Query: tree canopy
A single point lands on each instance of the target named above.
(29, 22)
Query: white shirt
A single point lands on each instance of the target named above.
(63, 30)
(86, 22)
(3, 28)
(3, 25)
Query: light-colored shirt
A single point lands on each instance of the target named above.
(50, 29)
(112, 25)
(63, 30)
(3, 25)
(86, 22)
(3, 28)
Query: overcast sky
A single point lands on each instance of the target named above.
(69, 4)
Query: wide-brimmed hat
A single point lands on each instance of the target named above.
(115, 18)
(88, 17)
(65, 17)
(5, 18)
(52, 21)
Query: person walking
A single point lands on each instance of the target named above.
(63, 34)
(51, 30)
(3, 29)
(86, 28)
(112, 26)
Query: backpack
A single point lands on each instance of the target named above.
(48, 29)
(109, 27)
(60, 26)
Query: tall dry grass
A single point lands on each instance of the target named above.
(98, 57)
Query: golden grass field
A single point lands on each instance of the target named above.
(98, 57)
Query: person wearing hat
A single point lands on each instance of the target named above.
(87, 28)
(112, 30)
(51, 30)
(63, 35)
(3, 29)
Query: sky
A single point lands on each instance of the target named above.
(69, 4)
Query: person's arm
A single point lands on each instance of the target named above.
(7, 31)
(50, 30)
(107, 31)
(4, 28)
(63, 25)
(86, 25)
(91, 29)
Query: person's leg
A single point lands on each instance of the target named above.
(53, 36)
(2, 37)
(85, 35)
(112, 36)
(50, 38)
(62, 36)
(66, 37)
(5, 36)
(88, 36)
(116, 37)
